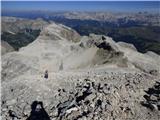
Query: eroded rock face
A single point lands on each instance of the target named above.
(89, 77)
(58, 32)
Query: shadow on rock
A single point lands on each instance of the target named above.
(152, 99)
(38, 112)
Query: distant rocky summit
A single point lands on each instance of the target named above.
(19, 32)
(88, 77)
(15, 24)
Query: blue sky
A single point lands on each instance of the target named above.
(126, 6)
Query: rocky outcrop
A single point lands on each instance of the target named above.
(152, 97)
(60, 32)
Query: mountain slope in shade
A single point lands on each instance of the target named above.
(5, 47)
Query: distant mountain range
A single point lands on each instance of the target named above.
(113, 18)
(141, 29)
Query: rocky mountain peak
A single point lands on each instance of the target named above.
(59, 31)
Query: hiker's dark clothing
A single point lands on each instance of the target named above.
(46, 75)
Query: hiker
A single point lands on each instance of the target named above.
(103, 38)
(46, 74)
(61, 66)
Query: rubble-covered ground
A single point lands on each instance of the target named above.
(84, 96)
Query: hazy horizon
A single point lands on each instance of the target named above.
(112, 6)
